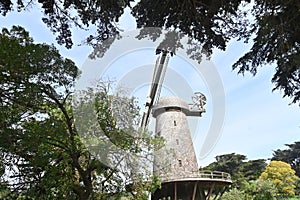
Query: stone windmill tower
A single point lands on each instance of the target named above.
(177, 158)
(176, 163)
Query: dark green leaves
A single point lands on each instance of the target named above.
(290, 155)
(239, 169)
(212, 23)
(39, 141)
(273, 26)
(276, 41)
(34, 80)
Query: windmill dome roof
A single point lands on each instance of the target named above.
(169, 102)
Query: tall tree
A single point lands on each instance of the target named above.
(39, 141)
(237, 166)
(290, 155)
(276, 41)
(28, 99)
(252, 169)
(273, 27)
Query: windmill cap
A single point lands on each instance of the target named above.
(170, 103)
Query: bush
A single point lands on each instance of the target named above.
(234, 194)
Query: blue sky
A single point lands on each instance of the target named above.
(257, 120)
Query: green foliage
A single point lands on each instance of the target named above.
(240, 170)
(234, 194)
(290, 155)
(273, 26)
(227, 163)
(34, 143)
(294, 198)
(211, 23)
(297, 189)
(261, 190)
(276, 41)
(39, 142)
(283, 177)
(61, 16)
(255, 180)
(253, 168)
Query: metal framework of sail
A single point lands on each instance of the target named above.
(155, 86)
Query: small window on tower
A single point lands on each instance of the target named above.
(180, 163)
(175, 123)
(177, 141)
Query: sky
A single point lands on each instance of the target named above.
(257, 120)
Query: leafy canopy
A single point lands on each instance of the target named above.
(272, 25)
(276, 41)
(39, 143)
(282, 175)
(291, 155)
(236, 165)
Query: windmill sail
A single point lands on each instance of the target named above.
(155, 86)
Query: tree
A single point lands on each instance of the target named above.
(274, 30)
(211, 23)
(276, 41)
(282, 175)
(60, 16)
(253, 168)
(290, 156)
(39, 141)
(240, 170)
(34, 140)
(28, 95)
(273, 26)
(229, 163)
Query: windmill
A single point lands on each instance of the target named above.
(176, 162)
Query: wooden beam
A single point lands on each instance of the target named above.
(175, 191)
(211, 191)
(195, 190)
